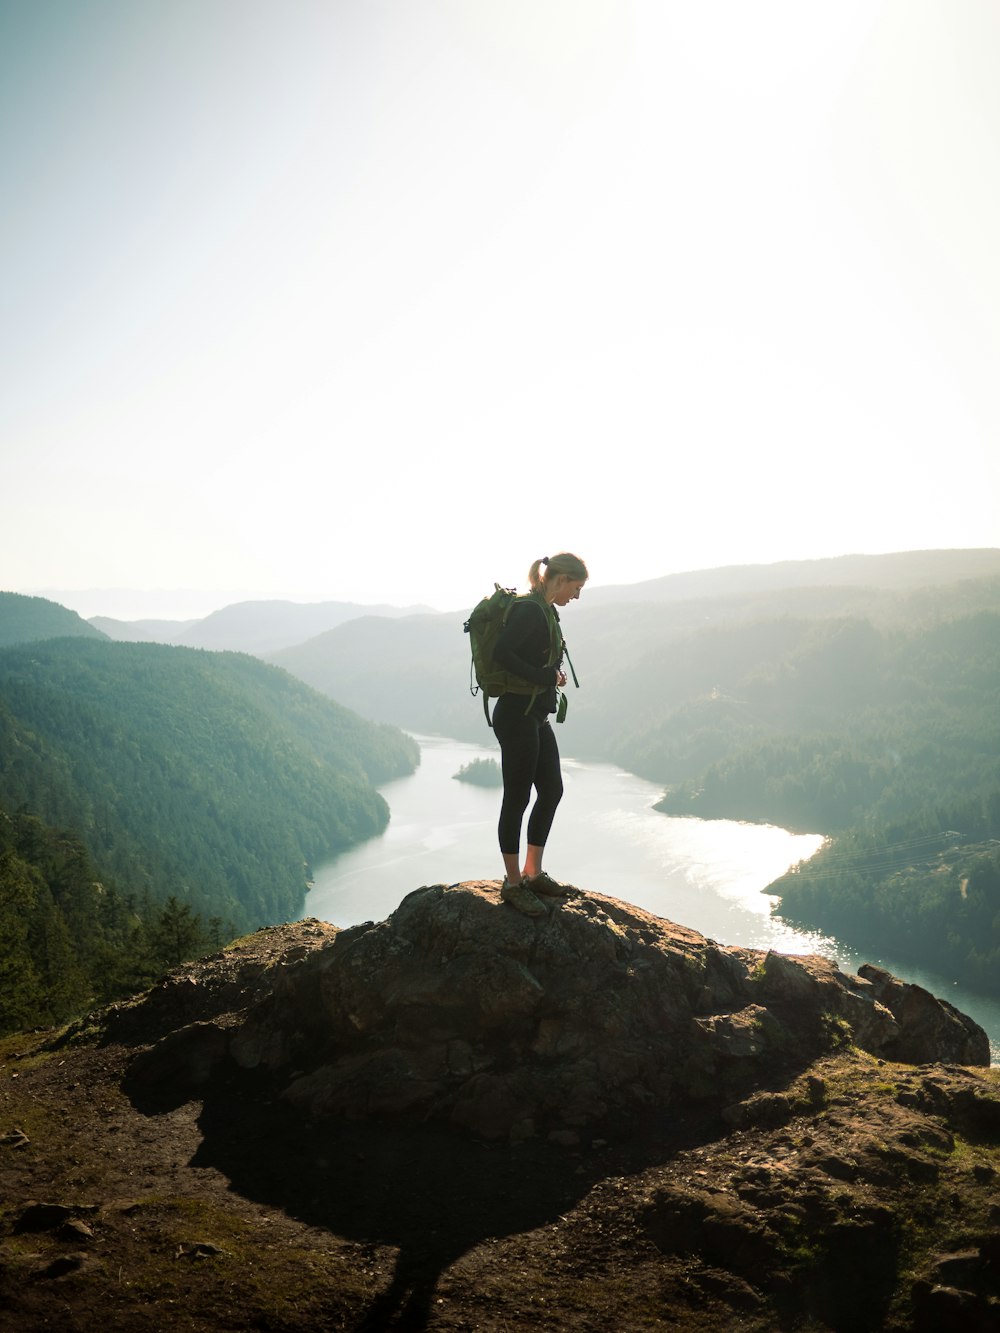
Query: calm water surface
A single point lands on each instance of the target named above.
(706, 874)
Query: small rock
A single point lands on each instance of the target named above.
(198, 1249)
(839, 1167)
(61, 1267)
(75, 1230)
(764, 1108)
(956, 1270)
(937, 1307)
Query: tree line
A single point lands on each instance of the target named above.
(69, 941)
(157, 799)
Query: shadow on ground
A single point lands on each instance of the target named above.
(427, 1191)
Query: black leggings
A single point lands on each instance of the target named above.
(529, 758)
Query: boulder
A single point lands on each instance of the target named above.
(929, 1030)
(458, 1009)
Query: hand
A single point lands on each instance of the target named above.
(560, 677)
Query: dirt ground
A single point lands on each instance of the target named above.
(851, 1201)
(238, 1216)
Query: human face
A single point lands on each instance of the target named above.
(566, 590)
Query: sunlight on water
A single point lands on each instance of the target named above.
(705, 874)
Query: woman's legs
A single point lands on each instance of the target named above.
(512, 867)
(518, 737)
(549, 786)
(529, 758)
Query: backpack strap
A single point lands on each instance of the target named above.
(531, 699)
(560, 650)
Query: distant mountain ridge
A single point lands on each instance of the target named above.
(895, 570)
(142, 631)
(267, 627)
(628, 642)
(257, 627)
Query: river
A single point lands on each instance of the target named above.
(706, 874)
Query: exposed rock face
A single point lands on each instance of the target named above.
(458, 1009)
(225, 984)
(929, 1029)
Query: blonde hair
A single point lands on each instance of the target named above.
(567, 564)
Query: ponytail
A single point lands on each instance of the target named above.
(565, 563)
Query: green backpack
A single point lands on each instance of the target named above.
(483, 627)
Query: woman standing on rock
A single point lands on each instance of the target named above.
(530, 647)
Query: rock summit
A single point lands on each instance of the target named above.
(459, 1010)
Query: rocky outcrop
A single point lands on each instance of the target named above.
(462, 1073)
(219, 987)
(457, 1009)
(929, 1029)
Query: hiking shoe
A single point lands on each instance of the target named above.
(543, 883)
(521, 898)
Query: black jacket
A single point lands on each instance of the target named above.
(524, 648)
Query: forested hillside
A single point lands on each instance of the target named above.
(844, 722)
(885, 735)
(209, 777)
(27, 619)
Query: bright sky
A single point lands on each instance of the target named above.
(379, 300)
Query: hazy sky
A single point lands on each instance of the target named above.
(382, 299)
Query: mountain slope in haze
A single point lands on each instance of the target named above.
(142, 631)
(208, 776)
(637, 661)
(28, 619)
(411, 671)
(261, 627)
(898, 570)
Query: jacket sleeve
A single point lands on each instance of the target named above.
(522, 641)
